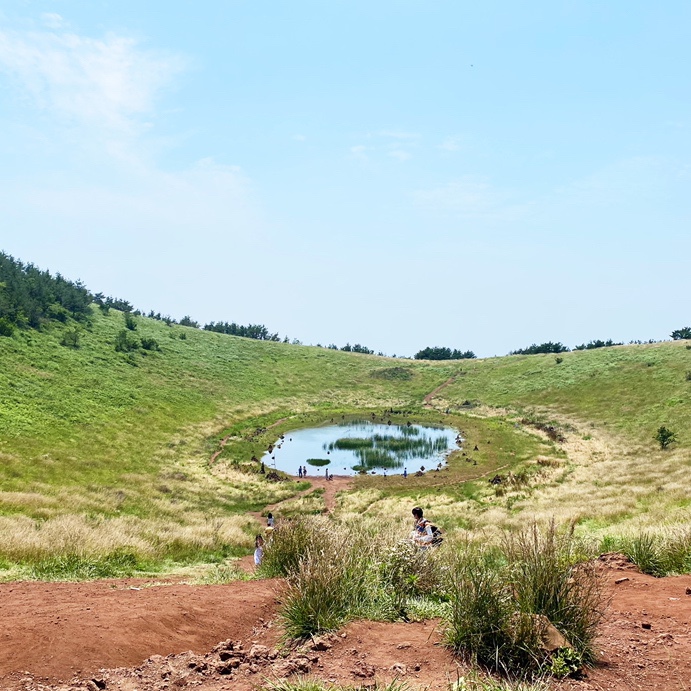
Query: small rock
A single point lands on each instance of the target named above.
(321, 643)
(228, 655)
(399, 668)
(622, 580)
(688, 591)
(228, 666)
(258, 652)
(646, 625)
(363, 670)
(402, 646)
(284, 668)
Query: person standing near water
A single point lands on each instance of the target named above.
(300, 472)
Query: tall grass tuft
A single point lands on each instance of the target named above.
(503, 598)
(333, 582)
(661, 553)
(551, 577)
(289, 543)
(338, 571)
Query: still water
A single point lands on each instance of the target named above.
(351, 447)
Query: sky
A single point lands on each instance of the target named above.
(399, 173)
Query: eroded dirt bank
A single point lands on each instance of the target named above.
(107, 635)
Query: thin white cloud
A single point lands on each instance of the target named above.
(400, 154)
(52, 20)
(299, 138)
(359, 152)
(472, 196)
(108, 83)
(398, 134)
(450, 144)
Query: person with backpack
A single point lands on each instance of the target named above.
(425, 535)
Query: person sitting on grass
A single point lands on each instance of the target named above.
(425, 535)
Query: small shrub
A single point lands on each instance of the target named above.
(565, 663)
(130, 322)
(559, 360)
(125, 342)
(688, 375)
(665, 437)
(6, 327)
(150, 344)
(407, 572)
(70, 339)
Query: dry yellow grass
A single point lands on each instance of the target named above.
(26, 539)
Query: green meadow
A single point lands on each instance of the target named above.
(106, 456)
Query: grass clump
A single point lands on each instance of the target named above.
(221, 574)
(73, 567)
(331, 581)
(659, 554)
(316, 685)
(503, 600)
(338, 571)
(475, 681)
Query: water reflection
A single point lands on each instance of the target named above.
(362, 446)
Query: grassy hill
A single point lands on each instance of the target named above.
(105, 455)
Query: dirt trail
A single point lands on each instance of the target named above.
(56, 630)
(53, 631)
(225, 440)
(427, 401)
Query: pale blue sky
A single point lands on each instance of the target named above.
(394, 173)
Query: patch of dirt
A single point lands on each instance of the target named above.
(645, 640)
(106, 635)
(57, 630)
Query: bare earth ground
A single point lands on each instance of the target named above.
(132, 635)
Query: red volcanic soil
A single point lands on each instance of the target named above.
(132, 635)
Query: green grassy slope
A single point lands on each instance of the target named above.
(103, 451)
(633, 389)
(88, 415)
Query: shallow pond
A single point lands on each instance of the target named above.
(351, 447)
